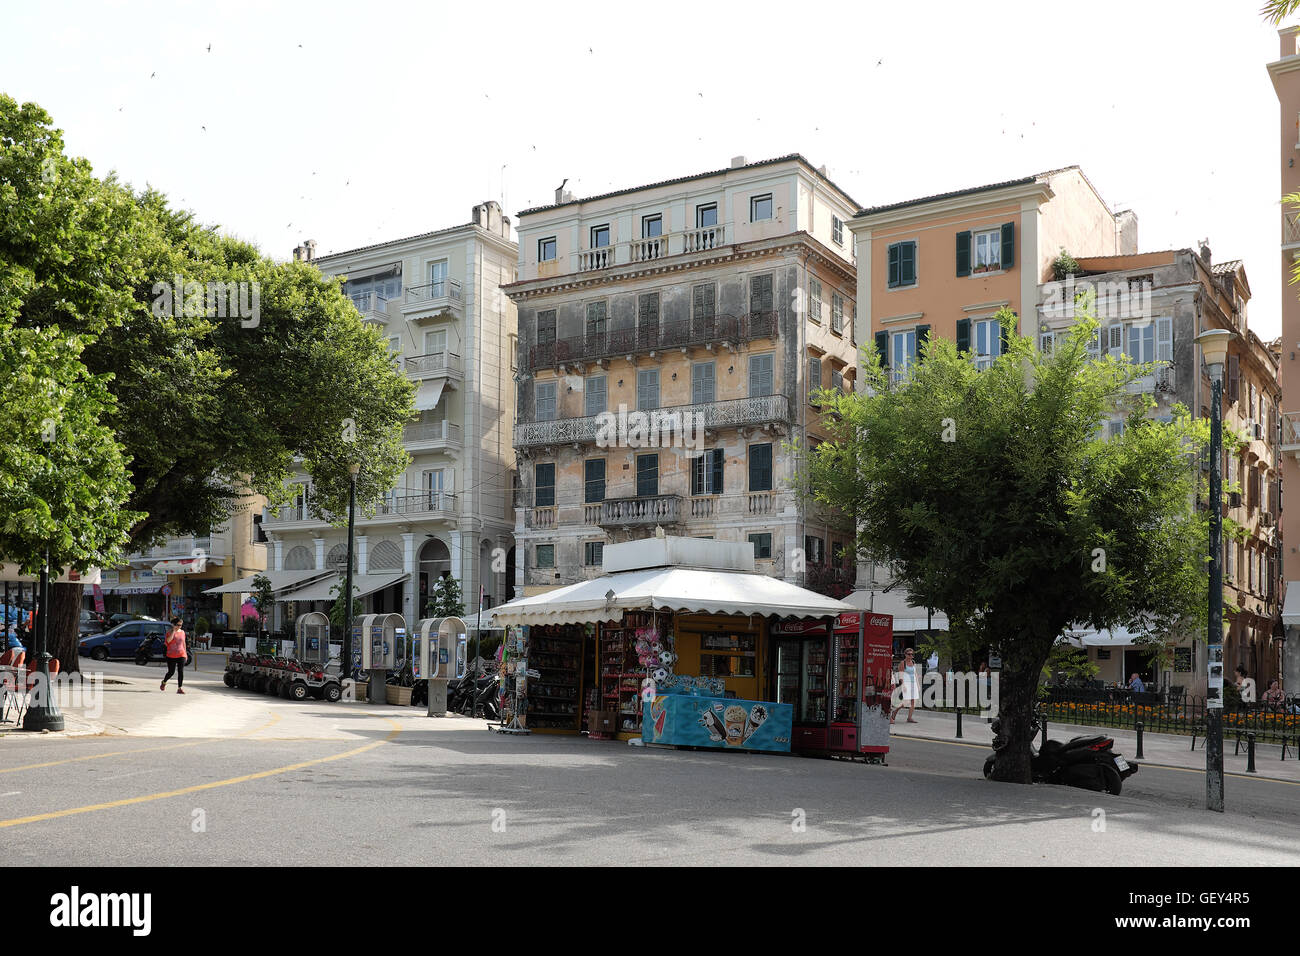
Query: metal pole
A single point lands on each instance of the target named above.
(1139, 733)
(43, 714)
(959, 721)
(1250, 752)
(347, 582)
(1214, 714)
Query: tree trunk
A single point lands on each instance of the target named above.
(64, 624)
(1017, 698)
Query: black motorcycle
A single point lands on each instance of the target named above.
(1089, 763)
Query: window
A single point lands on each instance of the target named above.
(837, 380)
(647, 389)
(988, 342)
(1094, 344)
(814, 379)
(702, 382)
(546, 401)
(593, 552)
(760, 374)
(546, 249)
(599, 236)
(544, 485)
(652, 226)
(814, 549)
(837, 230)
(902, 264)
(987, 247)
(647, 318)
(1046, 342)
(706, 473)
(760, 467)
(596, 397)
(546, 555)
(594, 480)
(647, 476)
(815, 300)
(437, 279)
(1141, 342)
(902, 353)
(706, 215)
(703, 304)
(837, 313)
(435, 343)
(395, 344)
(762, 546)
(546, 327)
(760, 293)
(596, 312)
(760, 208)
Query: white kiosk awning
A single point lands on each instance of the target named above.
(1291, 605)
(362, 584)
(279, 581)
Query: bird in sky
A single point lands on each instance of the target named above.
(209, 47)
(879, 62)
(152, 75)
(204, 128)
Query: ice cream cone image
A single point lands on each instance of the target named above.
(734, 721)
(757, 714)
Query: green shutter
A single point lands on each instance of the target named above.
(922, 336)
(895, 276)
(882, 346)
(963, 253)
(963, 335)
(1008, 245)
(1006, 337)
(907, 264)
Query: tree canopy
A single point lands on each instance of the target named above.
(993, 496)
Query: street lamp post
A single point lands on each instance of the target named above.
(43, 713)
(353, 469)
(1214, 346)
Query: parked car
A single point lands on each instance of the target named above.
(121, 642)
(92, 623)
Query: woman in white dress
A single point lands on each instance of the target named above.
(907, 677)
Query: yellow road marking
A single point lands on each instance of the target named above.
(198, 788)
(275, 719)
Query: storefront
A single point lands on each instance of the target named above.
(677, 639)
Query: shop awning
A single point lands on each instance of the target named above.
(907, 617)
(429, 394)
(181, 566)
(1291, 605)
(362, 584)
(279, 580)
(693, 590)
(10, 572)
(1116, 637)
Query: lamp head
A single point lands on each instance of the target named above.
(354, 468)
(1214, 346)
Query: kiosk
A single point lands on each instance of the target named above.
(381, 641)
(438, 655)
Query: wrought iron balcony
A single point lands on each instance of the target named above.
(680, 333)
(423, 503)
(666, 424)
(434, 298)
(372, 306)
(1290, 227)
(1291, 433)
(433, 365)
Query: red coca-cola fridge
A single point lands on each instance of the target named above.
(803, 674)
(877, 645)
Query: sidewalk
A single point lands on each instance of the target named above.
(1167, 750)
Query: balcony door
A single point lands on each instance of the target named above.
(437, 279)
(434, 488)
(435, 343)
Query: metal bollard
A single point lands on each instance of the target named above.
(1043, 742)
(959, 723)
(1250, 753)
(1139, 732)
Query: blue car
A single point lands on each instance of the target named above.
(121, 642)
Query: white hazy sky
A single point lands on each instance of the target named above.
(356, 123)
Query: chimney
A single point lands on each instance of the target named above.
(1126, 232)
(487, 215)
(737, 162)
(822, 169)
(299, 254)
(1205, 253)
(311, 250)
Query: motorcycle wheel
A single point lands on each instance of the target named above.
(988, 765)
(229, 679)
(1111, 780)
(142, 659)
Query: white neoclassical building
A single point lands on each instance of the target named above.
(437, 299)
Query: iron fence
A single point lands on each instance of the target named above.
(1169, 713)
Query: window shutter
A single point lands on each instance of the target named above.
(907, 264)
(1165, 340)
(922, 336)
(963, 335)
(1004, 330)
(1115, 339)
(715, 480)
(882, 346)
(1008, 245)
(963, 253)
(1234, 378)
(895, 256)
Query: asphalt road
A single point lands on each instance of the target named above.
(342, 785)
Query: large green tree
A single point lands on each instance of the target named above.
(204, 404)
(993, 497)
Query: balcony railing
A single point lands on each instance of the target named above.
(1291, 432)
(649, 337)
(663, 422)
(446, 289)
(373, 306)
(432, 364)
(443, 431)
(425, 502)
(649, 248)
(1290, 226)
(590, 260)
(627, 512)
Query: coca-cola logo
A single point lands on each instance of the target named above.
(882, 620)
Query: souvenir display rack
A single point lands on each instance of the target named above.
(555, 652)
(621, 670)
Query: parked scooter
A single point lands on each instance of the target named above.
(1089, 763)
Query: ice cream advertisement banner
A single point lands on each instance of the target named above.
(877, 682)
(684, 721)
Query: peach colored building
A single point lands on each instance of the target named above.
(1285, 74)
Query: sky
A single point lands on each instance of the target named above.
(358, 123)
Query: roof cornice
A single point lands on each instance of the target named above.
(1040, 191)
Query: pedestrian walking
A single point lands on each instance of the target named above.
(176, 655)
(907, 677)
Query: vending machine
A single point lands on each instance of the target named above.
(842, 735)
(802, 679)
(877, 684)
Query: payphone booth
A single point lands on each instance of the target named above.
(312, 638)
(382, 639)
(438, 655)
